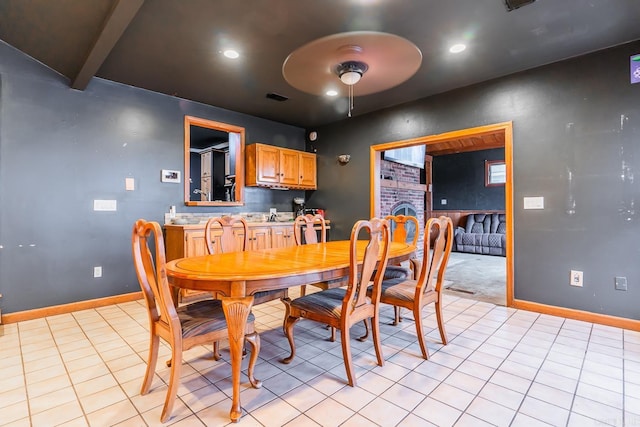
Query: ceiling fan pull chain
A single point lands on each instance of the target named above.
(350, 100)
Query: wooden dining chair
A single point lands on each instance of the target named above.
(229, 241)
(181, 327)
(400, 228)
(414, 294)
(304, 229)
(342, 307)
(304, 232)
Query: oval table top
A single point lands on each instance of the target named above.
(267, 264)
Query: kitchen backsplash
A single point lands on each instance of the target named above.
(202, 217)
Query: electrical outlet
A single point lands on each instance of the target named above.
(273, 211)
(97, 271)
(575, 279)
(621, 283)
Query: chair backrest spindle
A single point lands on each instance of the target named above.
(305, 227)
(152, 276)
(375, 257)
(228, 240)
(440, 230)
(401, 227)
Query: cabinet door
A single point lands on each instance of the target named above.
(282, 237)
(267, 164)
(259, 238)
(308, 170)
(205, 163)
(289, 167)
(289, 237)
(195, 245)
(215, 241)
(205, 186)
(238, 233)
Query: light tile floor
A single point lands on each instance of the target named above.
(502, 367)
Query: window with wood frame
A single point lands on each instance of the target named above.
(495, 173)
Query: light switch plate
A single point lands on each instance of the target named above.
(129, 184)
(534, 202)
(105, 205)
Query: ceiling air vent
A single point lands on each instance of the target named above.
(516, 4)
(277, 97)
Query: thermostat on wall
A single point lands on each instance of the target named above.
(170, 176)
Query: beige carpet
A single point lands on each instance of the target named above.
(478, 277)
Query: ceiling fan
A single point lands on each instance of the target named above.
(375, 61)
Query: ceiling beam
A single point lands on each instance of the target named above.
(119, 19)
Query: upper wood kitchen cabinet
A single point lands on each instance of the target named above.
(276, 167)
(308, 170)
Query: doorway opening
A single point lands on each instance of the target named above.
(490, 136)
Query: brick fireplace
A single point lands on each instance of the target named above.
(402, 193)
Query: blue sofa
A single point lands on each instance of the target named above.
(484, 233)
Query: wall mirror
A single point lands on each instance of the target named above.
(213, 163)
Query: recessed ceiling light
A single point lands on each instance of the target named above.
(457, 48)
(231, 54)
(332, 92)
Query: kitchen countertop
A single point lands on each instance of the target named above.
(250, 223)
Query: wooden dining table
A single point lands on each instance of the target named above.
(236, 276)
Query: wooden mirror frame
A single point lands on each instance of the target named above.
(239, 161)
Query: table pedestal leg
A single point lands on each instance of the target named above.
(236, 311)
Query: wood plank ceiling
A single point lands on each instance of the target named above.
(470, 143)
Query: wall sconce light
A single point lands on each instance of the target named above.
(344, 158)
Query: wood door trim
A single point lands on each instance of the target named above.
(505, 128)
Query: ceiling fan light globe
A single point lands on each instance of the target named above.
(350, 77)
(231, 53)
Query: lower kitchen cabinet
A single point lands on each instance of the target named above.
(259, 238)
(282, 236)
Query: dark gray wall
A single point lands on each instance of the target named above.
(564, 115)
(61, 148)
(459, 178)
